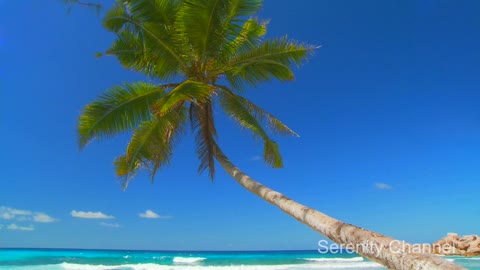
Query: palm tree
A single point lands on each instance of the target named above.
(207, 52)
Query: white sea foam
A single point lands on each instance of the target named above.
(320, 263)
(33, 267)
(187, 260)
(347, 266)
(354, 259)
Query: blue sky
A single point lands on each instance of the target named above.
(387, 111)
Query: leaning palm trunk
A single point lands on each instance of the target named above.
(379, 248)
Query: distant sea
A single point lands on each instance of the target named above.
(76, 259)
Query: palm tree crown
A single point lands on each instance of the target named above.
(203, 52)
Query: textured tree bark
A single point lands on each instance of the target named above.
(387, 251)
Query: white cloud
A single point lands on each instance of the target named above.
(113, 225)
(383, 186)
(43, 218)
(6, 215)
(14, 227)
(91, 215)
(151, 214)
(16, 212)
(9, 213)
(256, 158)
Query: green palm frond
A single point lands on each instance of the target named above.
(188, 91)
(244, 38)
(152, 144)
(201, 120)
(271, 59)
(160, 12)
(272, 122)
(233, 27)
(234, 108)
(199, 22)
(210, 25)
(250, 35)
(119, 109)
(132, 14)
(262, 116)
(132, 53)
(125, 172)
(157, 36)
(240, 9)
(117, 18)
(271, 154)
(140, 54)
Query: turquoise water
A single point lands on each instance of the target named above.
(56, 259)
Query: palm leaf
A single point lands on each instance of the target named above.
(261, 115)
(141, 54)
(198, 21)
(271, 154)
(210, 25)
(155, 33)
(271, 59)
(152, 144)
(250, 35)
(132, 53)
(201, 120)
(231, 28)
(273, 123)
(161, 12)
(236, 110)
(124, 170)
(188, 91)
(117, 18)
(119, 109)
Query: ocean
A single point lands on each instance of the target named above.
(76, 259)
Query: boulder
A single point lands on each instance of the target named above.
(452, 244)
(468, 238)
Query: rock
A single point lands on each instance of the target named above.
(473, 252)
(468, 238)
(452, 244)
(475, 243)
(462, 246)
(453, 235)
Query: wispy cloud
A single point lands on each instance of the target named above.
(151, 214)
(90, 215)
(112, 225)
(15, 227)
(256, 158)
(9, 213)
(383, 186)
(43, 218)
